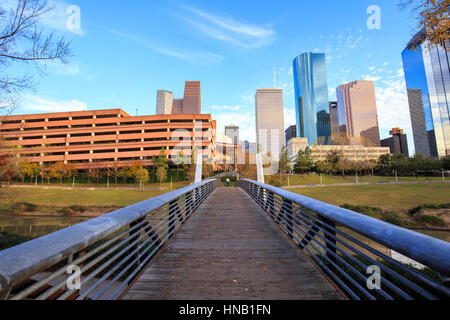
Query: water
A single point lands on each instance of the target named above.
(36, 226)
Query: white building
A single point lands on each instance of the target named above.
(164, 102)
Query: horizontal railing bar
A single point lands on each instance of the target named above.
(427, 250)
(19, 263)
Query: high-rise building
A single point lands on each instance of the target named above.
(398, 143)
(192, 98)
(427, 75)
(177, 107)
(357, 111)
(311, 97)
(290, 133)
(270, 121)
(232, 132)
(164, 102)
(417, 113)
(334, 118)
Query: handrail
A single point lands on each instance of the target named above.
(432, 252)
(19, 263)
(321, 229)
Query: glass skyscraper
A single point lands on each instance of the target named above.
(427, 75)
(311, 98)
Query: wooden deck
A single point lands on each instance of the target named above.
(230, 250)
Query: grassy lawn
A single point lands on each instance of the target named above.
(297, 180)
(62, 198)
(395, 198)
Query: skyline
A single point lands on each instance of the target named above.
(231, 48)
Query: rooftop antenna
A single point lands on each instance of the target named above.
(136, 112)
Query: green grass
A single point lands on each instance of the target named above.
(299, 180)
(80, 197)
(399, 198)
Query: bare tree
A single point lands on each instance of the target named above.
(22, 40)
(434, 20)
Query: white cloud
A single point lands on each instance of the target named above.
(198, 57)
(229, 30)
(38, 104)
(245, 120)
(229, 108)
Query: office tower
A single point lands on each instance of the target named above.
(270, 121)
(334, 118)
(164, 102)
(357, 109)
(177, 107)
(290, 133)
(417, 113)
(427, 75)
(232, 132)
(192, 98)
(398, 143)
(311, 97)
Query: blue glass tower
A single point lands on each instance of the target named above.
(427, 78)
(311, 98)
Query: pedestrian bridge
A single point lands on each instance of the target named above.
(205, 241)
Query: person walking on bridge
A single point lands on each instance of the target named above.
(228, 182)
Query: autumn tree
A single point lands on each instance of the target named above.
(284, 162)
(161, 165)
(31, 169)
(8, 161)
(141, 176)
(24, 40)
(57, 171)
(433, 18)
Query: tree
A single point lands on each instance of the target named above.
(303, 161)
(23, 40)
(21, 169)
(141, 175)
(31, 170)
(332, 158)
(446, 163)
(57, 171)
(434, 20)
(284, 162)
(8, 161)
(161, 165)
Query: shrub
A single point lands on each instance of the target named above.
(368, 211)
(429, 206)
(431, 220)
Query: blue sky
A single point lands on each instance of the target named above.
(126, 51)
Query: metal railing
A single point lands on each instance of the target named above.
(354, 250)
(99, 258)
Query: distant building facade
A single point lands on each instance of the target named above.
(357, 110)
(290, 133)
(398, 143)
(311, 97)
(109, 138)
(352, 153)
(294, 145)
(334, 117)
(270, 120)
(164, 102)
(190, 104)
(427, 75)
(232, 132)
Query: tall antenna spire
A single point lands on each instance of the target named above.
(274, 75)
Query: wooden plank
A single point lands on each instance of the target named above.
(231, 250)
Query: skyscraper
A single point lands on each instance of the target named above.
(232, 132)
(164, 102)
(357, 111)
(270, 120)
(398, 143)
(311, 97)
(334, 118)
(192, 98)
(177, 107)
(290, 133)
(427, 75)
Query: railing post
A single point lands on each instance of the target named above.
(329, 226)
(173, 212)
